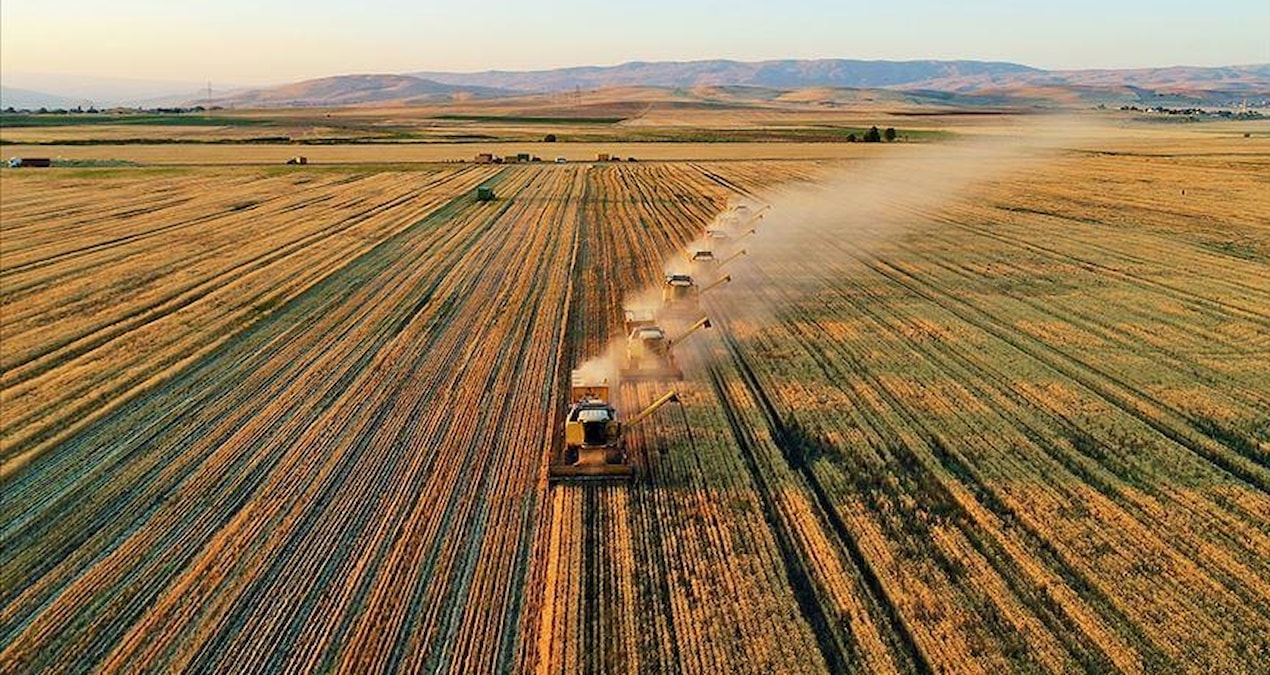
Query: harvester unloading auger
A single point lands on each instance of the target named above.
(650, 355)
(730, 258)
(593, 448)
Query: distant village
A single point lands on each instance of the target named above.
(91, 110)
(1197, 114)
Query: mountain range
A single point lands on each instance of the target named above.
(782, 74)
(966, 82)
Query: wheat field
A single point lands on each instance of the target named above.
(265, 418)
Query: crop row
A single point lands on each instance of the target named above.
(1041, 505)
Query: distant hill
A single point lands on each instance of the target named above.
(12, 97)
(1203, 86)
(991, 83)
(781, 74)
(109, 92)
(776, 82)
(955, 83)
(343, 90)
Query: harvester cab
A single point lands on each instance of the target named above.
(648, 356)
(634, 318)
(679, 294)
(593, 448)
(703, 261)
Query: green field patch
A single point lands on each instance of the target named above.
(529, 120)
(110, 171)
(21, 120)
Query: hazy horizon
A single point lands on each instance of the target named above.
(244, 44)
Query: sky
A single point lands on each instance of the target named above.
(250, 42)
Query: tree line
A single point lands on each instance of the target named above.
(873, 136)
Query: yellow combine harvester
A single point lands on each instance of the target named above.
(593, 448)
(742, 216)
(680, 295)
(649, 355)
(706, 261)
(703, 257)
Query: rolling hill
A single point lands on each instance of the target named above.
(779, 74)
(13, 97)
(343, 90)
(961, 83)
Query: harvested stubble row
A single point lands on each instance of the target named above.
(1055, 508)
(284, 490)
(683, 573)
(114, 304)
(333, 460)
(936, 452)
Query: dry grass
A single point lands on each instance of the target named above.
(297, 417)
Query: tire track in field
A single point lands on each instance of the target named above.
(1252, 470)
(19, 380)
(1057, 618)
(888, 614)
(1085, 262)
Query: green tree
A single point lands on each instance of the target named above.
(872, 135)
(889, 134)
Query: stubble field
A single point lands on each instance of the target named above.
(971, 419)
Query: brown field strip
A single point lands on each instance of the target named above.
(185, 155)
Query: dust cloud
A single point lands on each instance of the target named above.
(604, 368)
(875, 201)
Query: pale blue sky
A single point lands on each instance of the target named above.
(263, 41)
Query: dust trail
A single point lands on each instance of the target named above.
(872, 202)
(875, 202)
(605, 367)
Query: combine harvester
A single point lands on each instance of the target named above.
(738, 219)
(702, 257)
(707, 261)
(741, 216)
(680, 296)
(649, 355)
(593, 449)
(727, 236)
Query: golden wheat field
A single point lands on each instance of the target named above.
(959, 411)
